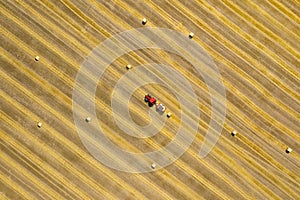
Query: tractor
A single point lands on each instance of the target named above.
(160, 108)
(150, 100)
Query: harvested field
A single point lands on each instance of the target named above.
(255, 46)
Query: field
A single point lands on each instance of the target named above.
(254, 44)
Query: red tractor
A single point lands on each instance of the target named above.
(150, 100)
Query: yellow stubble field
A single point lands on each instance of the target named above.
(255, 46)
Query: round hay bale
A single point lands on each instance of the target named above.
(128, 66)
(39, 124)
(169, 114)
(88, 119)
(288, 150)
(144, 21)
(191, 35)
(153, 165)
(37, 58)
(233, 133)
